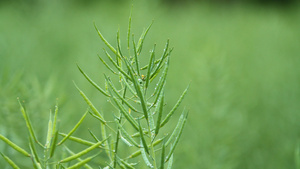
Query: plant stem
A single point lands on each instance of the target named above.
(151, 136)
(118, 132)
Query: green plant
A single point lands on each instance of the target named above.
(138, 127)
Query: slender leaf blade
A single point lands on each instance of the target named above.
(81, 153)
(78, 140)
(130, 119)
(138, 152)
(78, 159)
(10, 162)
(87, 100)
(109, 68)
(104, 40)
(136, 57)
(28, 123)
(160, 111)
(33, 150)
(142, 38)
(151, 61)
(116, 65)
(55, 118)
(177, 138)
(143, 139)
(119, 96)
(53, 144)
(138, 90)
(14, 146)
(162, 161)
(82, 162)
(74, 128)
(49, 132)
(161, 59)
(92, 82)
(169, 115)
(145, 158)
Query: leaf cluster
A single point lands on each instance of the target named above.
(139, 116)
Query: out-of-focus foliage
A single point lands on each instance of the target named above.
(91, 2)
(242, 60)
(232, 2)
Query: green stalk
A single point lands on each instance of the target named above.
(118, 132)
(152, 147)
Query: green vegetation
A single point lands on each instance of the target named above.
(130, 124)
(243, 63)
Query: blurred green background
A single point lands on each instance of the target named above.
(242, 58)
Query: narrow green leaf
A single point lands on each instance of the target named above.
(151, 122)
(127, 135)
(53, 144)
(106, 145)
(91, 105)
(152, 58)
(92, 82)
(160, 84)
(138, 152)
(109, 68)
(28, 123)
(35, 159)
(160, 110)
(177, 138)
(129, 29)
(81, 153)
(122, 166)
(94, 136)
(116, 65)
(105, 41)
(143, 139)
(139, 102)
(126, 141)
(136, 57)
(49, 132)
(128, 86)
(146, 66)
(82, 162)
(169, 115)
(127, 164)
(161, 60)
(162, 161)
(158, 94)
(116, 143)
(97, 117)
(33, 150)
(10, 162)
(78, 140)
(137, 134)
(138, 90)
(142, 38)
(177, 128)
(130, 119)
(170, 162)
(119, 44)
(55, 118)
(119, 96)
(14, 146)
(74, 129)
(145, 158)
(79, 159)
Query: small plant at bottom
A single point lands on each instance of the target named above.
(137, 136)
